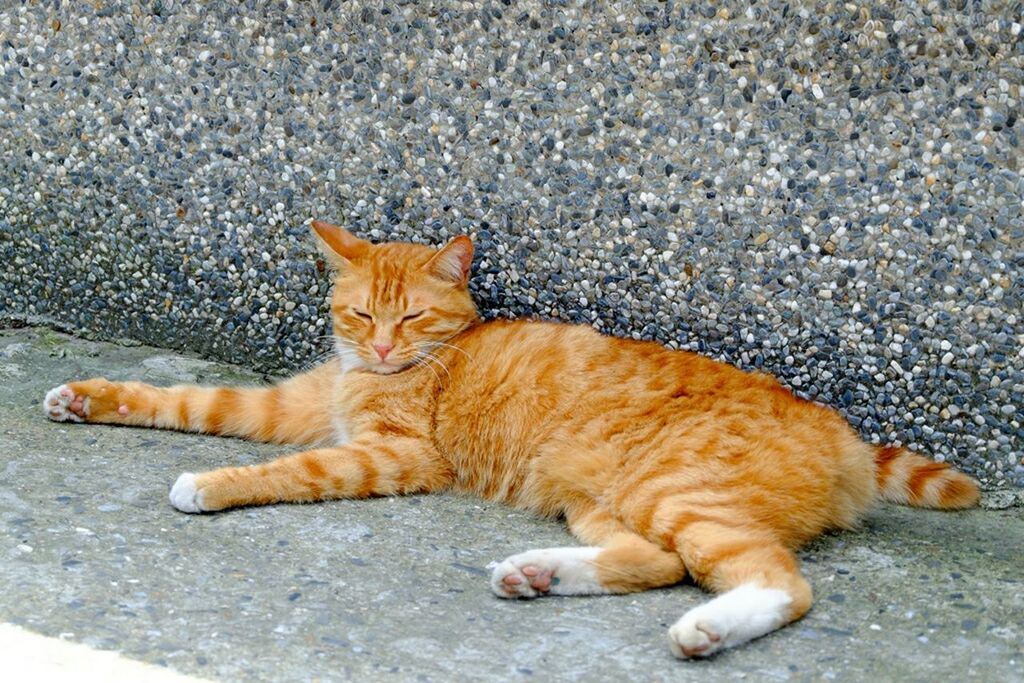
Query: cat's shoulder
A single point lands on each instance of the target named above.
(528, 328)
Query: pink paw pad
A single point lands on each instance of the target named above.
(540, 580)
(122, 410)
(62, 405)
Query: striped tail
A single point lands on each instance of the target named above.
(910, 479)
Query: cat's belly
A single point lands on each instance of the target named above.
(488, 469)
(530, 470)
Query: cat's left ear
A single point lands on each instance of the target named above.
(452, 262)
(341, 246)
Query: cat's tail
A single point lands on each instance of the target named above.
(910, 479)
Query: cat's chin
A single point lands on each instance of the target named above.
(387, 368)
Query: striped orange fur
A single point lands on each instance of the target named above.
(908, 478)
(667, 463)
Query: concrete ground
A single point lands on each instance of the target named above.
(395, 588)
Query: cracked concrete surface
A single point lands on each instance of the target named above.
(395, 588)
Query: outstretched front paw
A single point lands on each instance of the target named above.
(62, 404)
(91, 400)
(186, 495)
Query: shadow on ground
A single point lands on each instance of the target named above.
(396, 588)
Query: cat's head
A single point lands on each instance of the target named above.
(395, 303)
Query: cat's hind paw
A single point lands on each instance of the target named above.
(61, 404)
(548, 571)
(186, 495)
(693, 637)
(732, 618)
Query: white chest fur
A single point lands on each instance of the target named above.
(341, 434)
(348, 360)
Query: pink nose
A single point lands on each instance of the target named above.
(383, 350)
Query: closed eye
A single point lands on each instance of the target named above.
(412, 316)
(362, 314)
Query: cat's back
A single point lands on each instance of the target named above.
(504, 356)
(530, 379)
(522, 381)
(550, 362)
(513, 388)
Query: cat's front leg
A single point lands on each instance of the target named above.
(98, 400)
(366, 467)
(215, 410)
(297, 410)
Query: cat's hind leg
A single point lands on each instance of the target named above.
(758, 580)
(620, 561)
(294, 411)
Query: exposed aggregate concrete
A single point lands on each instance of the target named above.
(829, 191)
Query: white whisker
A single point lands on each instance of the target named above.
(451, 346)
(419, 362)
(434, 359)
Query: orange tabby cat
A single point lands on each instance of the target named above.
(664, 462)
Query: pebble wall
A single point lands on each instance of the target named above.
(830, 191)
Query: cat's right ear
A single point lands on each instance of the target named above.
(338, 244)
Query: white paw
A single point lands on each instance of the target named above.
(732, 618)
(61, 405)
(693, 636)
(549, 571)
(184, 494)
